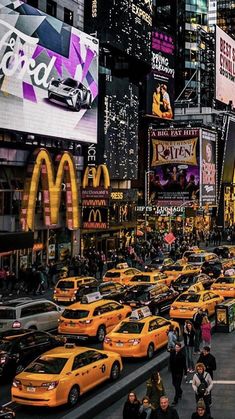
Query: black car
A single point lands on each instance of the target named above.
(158, 297)
(213, 268)
(17, 350)
(6, 413)
(109, 290)
(184, 281)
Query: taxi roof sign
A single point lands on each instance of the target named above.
(140, 313)
(123, 265)
(90, 298)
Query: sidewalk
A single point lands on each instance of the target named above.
(223, 407)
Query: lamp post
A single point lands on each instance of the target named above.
(146, 200)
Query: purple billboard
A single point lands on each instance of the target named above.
(48, 75)
(161, 80)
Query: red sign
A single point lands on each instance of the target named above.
(169, 238)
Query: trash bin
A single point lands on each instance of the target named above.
(225, 316)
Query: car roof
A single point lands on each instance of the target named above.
(77, 278)
(66, 352)
(80, 305)
(24, 301)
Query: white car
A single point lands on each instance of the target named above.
(29, 314)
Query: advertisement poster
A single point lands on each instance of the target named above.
(161, 81)
(175, 174)
(64, 251)
(95, 218)
(208, 168)
(51, 251)
(48, 75)
(225, 67)
(229, 153)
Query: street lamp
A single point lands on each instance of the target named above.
(146, 200)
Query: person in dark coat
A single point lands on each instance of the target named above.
(131, 406)
(208, 360)
(201, 411)
(146, 411)
(178, 368)
(164, 411)
(189, 338)
(155, 389)
(197, 322)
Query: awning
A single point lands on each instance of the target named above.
(16, 241)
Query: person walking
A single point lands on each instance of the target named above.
(202, 385)
(197, 321)
(201, 411)
(178, 368)
(164, 411)
(189, 341)
(208, 360)
(131, 407)
(146, 411)
(155, 389)
(172, 338)
(206, 331)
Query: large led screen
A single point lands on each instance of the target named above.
(225, 67)
(161, 80)
(208, 167)
(48, 75)
(125, 25)
(229, 153)
(119, 129)
(175, 175)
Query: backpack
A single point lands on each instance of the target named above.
(202, 386)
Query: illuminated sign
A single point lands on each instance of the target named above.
(117, 196)
(225, 67)
(95, 195)
(43, 167)
(95, 218)
(178, 152)
(95, 175)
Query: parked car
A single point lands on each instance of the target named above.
(29, 314)
(160, 262)
(19, 349)
(225, 251)
(199, 258)
(70, 92)
(66, 289)
(184, 281)
(111, 290)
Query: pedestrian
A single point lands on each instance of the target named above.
(202, 385)
(178, 369)
(146, 411)
(206, 331)
(197, 321)
(189, 341)
(131, 406)
(155, 389)
(208, 360)
(164, 411)
(172, 338)
(201, 411)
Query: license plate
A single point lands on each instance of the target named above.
(133, 304)
(210, 274)
(119, 344)
(72, 324)
(183, 309)
(31, 389)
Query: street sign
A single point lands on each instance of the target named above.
(169, 238)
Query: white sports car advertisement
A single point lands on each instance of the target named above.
(48, 75)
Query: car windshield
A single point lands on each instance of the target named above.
(65, 285)
(130, 327)
(174, 268)
(5, 345)
(112, 275)
(185, 279)
(225, 280)
(136, 293)
(195, 259)
(140, 278)
(7, 314)
(70, 83)
(189, 298)
(75, 314)
(47, 365)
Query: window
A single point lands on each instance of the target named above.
(33, 3)
(153, 325)
(51, 8)
(27, 342)
(41, 338)
(33, 310)
(47, 365)
(48, 307)
(75, 314)
(68, 16)
(87, 358)
(163, 322)
(114, 306)
(130, 327)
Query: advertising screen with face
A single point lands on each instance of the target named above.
(225, 67)
(161, 80)
(48, 75)
(208, 168)
(174, 176)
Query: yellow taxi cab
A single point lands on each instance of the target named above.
(192, 250)
(66, 289)
(122, 273)
(92, 317)
(140, 335)
(151, 276)
(225, 286)
(186, 305)
(181, 268)
(61, 375)
(197, 287)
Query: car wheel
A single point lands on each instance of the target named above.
(19, 369)
(115, 371)
(150, 351)
(101, 332)
(73, 396)
(89, 104)
(32, 327)
(77, 107)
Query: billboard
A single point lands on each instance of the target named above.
(48, 75)
(161, 80)
(229, 153)
(119, 128)
(95, 218)
(125, 25)
(225, 67)
(208, 167)
(175, 174)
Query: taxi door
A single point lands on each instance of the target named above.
(105, 315)
(209, 302)
(112, 315)
(99, 370)
(155, 334)
(81, 372)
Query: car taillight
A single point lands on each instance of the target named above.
(16, 324)
(145, 303)
(3, 358)
(17, 384)
(107, 340)
(85, 321)
(50, 386)
(134, 341)
(173, 308)
(55, 291)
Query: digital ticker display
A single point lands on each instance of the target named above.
(120, 127)
(123, 24)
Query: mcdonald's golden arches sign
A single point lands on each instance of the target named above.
(42, 167)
